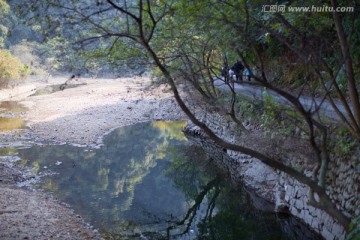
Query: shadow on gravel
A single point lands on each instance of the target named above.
(55, 88)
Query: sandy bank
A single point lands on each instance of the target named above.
(80, 115)
(83, 114)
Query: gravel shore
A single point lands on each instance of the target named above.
(79, 115)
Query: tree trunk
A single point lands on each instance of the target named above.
(353, 92)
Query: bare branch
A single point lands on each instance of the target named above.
(122, 10)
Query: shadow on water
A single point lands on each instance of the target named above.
(148, 182)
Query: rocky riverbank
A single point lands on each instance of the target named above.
(80, 115)
(280, 190)
(83, 114)
(26, 214)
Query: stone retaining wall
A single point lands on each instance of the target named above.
(279, 188)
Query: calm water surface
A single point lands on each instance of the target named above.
(8, 123)
(148, 182)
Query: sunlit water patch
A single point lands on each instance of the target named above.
(7, 124)
(8, 115)
(148, 182)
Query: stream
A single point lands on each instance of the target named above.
(149, 182)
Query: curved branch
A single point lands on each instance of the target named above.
(337, 214)
(124, 11)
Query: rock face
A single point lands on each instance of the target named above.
(286, 193)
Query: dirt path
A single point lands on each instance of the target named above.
(80, 116)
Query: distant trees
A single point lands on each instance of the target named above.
(11, 69)
(4, 11)
(297, 54)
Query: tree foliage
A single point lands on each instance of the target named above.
(302, 54)
(11, 68)
(4, 11)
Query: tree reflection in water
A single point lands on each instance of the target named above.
(148, 182)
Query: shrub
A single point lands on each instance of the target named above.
(27, 52)
(11, 69)
(354, 229)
